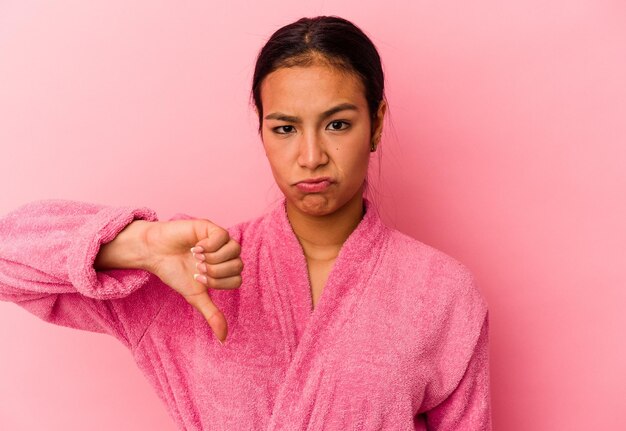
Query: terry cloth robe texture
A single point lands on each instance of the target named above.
(398, 340)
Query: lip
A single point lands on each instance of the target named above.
(314, 185)
(314, 180)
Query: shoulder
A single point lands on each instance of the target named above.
(245, 231)
(437, 297)
(432, 275)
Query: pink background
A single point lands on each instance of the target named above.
(506, 149)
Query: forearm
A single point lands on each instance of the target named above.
(128, 250)
(49, 247)
(47, 266)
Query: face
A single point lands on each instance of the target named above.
(317, 126)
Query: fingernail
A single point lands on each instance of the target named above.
(199, 256)
(197, 249)
(200, 266)
(200, 278)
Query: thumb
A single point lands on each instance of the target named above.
(214, 317)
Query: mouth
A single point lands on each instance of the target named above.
(314, 185)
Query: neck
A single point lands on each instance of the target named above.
(321, 237)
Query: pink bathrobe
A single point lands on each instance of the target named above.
(397, 341)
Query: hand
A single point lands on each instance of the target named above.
(215, 256)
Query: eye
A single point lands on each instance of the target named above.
(283, 130)
(337, 125)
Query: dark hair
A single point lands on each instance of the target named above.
(329, 39)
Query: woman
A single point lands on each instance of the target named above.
(335, 322)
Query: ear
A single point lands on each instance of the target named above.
(377, 122)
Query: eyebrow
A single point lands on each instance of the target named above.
(325, 114)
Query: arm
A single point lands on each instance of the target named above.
(127, 250)
(48, 250)
(468, 407)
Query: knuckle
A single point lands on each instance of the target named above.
(211, 258)
(211, 271)
(222, 234)
(211, 282)
(237, 248)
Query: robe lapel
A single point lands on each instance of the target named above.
(309, 333)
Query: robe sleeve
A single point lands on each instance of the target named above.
(47, 252)
(468, 407)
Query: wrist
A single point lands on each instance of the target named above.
(138, 244)
(128, 250)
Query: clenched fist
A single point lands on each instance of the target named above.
(192, 256)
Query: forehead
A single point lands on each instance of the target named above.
(310, 88)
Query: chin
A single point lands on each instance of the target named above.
(315, 204)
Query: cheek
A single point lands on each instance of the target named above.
(278, 162)
(353, 167)
(356, 157)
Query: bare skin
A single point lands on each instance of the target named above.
(302, 141)
(322, 237)
(164, 249)
(318, 273)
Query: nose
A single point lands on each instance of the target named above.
(312, 151)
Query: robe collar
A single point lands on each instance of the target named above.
(352, 268)
(309, 334)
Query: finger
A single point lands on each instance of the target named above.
(221, 270)
(214, 317)
(216, 239)
(219, 283)
(231, 250)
